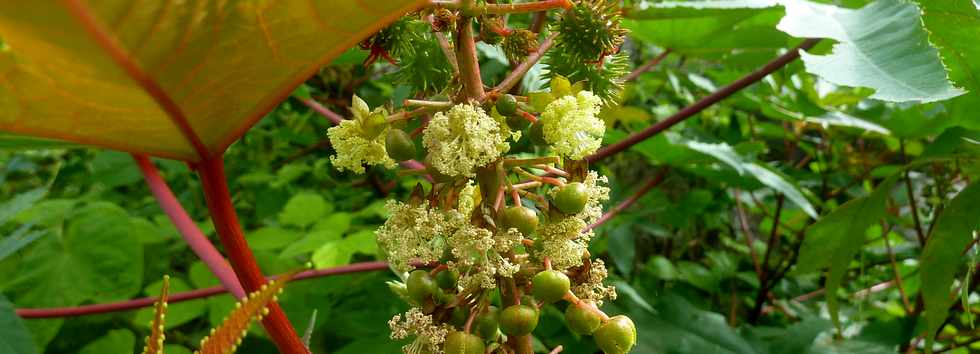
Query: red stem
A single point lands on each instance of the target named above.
(653, 182)
(187, 295)
(215, 185)
(704, 103)
(326, 113)
(188, 230)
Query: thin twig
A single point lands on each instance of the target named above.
(653, 182)
(323, 111)
(646, 66)
(704, 103)
(891, 258)
(518, 73)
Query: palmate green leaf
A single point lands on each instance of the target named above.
(725, 153)
(222, 64)
(15, 338)
(834, 240)
(942, 255)
(953, 26)
(710, 28)
(679, 327)
(881, 46)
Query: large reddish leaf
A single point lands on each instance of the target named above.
(176, 79)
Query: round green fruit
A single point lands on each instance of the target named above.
(582, 320)
(571, 198)
(518, 320)
(507, 105)
(616, 336)
(550, 285)
(446, 279)
(488, 323)
(463, 343)
(521, 218)
(420, 285)
(459, 316)
(399, 145)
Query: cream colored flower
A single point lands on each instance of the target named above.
(571, 125)
(462, 139)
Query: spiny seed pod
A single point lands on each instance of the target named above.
(399, 145)
(550, 285)
(590, 30)
(571, 198)
(518, 320)
(420, 286)
(446, 279)
(463, 343)
(616, 336)
(443, 20)
(488, 323)
(490, 28)
(519, 44)
(521, 218)
(507, 105)
(581, 319)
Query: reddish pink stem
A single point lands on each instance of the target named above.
(188, 230)
(326, 113)
(653, 182)
(185, 296)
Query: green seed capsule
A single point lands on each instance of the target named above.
(446, 279)
(517, 122)
(420, 286)
(507, 105)
(459, 316)
(399, 145)
(581, 319)
(521, 218)
(616, 336)
(518, 320)
(550, 285)
(571, 198)
(488, 323)
(463, 343)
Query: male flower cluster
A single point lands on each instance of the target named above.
(463, 138)
(570, 124)
(361, 140)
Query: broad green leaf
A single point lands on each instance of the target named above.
(836, 238)
(725, 153)
(116, 341)
(15, 338)
(222, 65)
(710, 27)
(679, 327)
(311, 242)
(96, 259)
(845, 120)
(952, 26)
(304, 209)
(362, 242)
(270, 238)
(880, 46)
(19, 239)
(941, 257)
(622, 248)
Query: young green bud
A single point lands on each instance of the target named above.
(488, 323)
(521, 218)
(373, 125)
(550, 285)
(581, 319)
(463, 343)
(518, 320)
(420, 286)
(446, 279)
(571, 198)
(399, 145)
(507, 105)
(616, 336)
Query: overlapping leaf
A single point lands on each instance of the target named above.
(881, 46)
(217, 66)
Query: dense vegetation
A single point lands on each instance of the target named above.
(757, 203)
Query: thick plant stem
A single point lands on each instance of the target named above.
(469, 67)
(187, 228)
(215, 185)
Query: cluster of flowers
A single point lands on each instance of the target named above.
(489, 232)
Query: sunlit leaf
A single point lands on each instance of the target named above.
(15, 338)
(881, 46)
(81, 71)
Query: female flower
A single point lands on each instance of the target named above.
(360, 140)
